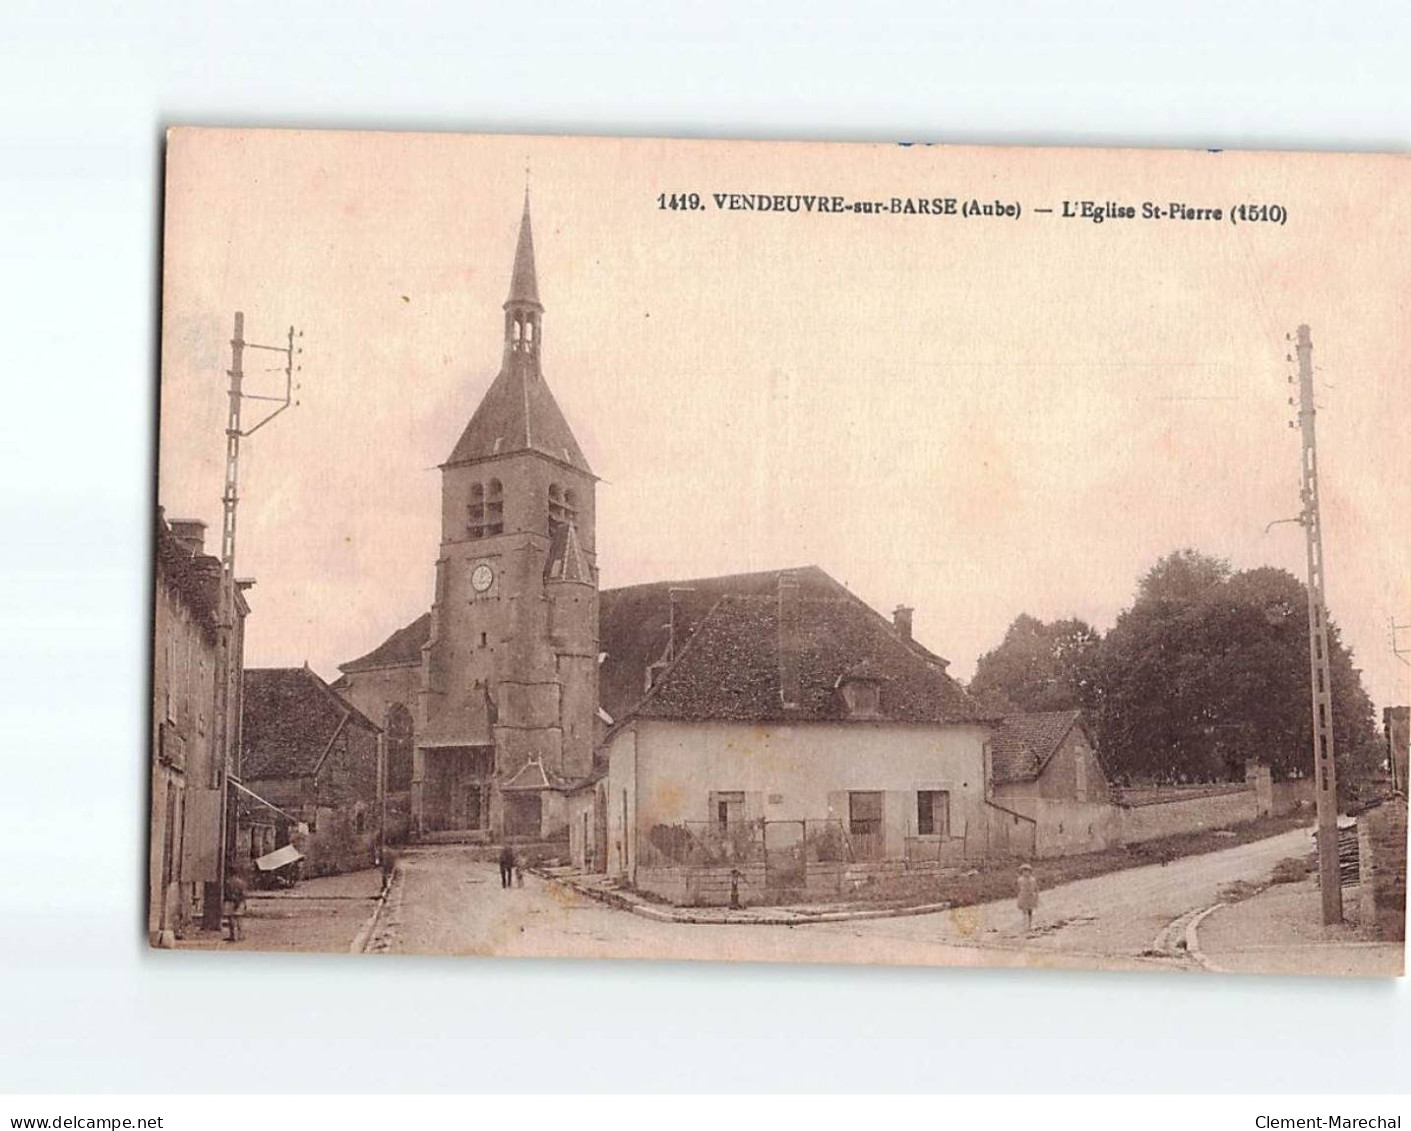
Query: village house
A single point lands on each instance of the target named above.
(795, 741)
(311, 773)
(1046, 774)
(188, 762)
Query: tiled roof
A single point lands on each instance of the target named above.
(730, 668)
(634, 623)
(290, 718)
(634, 627)
(1023, 745)
(534, 775)
(402, 647)
(519, 414)
(194, 577)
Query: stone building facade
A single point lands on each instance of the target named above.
(188, 764)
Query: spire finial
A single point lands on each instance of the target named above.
(524, 284)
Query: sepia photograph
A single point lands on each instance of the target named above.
(781, 552)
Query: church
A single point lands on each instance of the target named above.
(490, 701)
(511, 709)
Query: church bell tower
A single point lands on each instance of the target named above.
(509, 687)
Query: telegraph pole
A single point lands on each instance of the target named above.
(1401, 654)
(230, 651)
(1324, 767)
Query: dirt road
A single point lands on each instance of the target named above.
(446, 903)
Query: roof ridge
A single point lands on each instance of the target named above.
(668, 582)
(774, 597)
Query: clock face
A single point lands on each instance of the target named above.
(482, 577)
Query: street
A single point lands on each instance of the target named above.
(446, 903)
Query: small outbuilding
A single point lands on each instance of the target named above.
(311, 773)
(1047, 775)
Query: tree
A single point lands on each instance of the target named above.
(1209, 667)
(1039, 667)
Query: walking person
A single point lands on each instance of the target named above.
(1028, 896)
(506, 866)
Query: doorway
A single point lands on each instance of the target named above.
(524, 814)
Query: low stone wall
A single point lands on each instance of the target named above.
(703, 886)
(709, 885)
(1073, 828)
(1381, 835)
(1159, 811)
(857, 875)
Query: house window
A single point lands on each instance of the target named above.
(865, 813)
(862, 697)
(727, 808)
(932, 812)
(359, 821)
(1080, 775)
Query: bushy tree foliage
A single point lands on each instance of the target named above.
(1040, 667)
(1210, 667)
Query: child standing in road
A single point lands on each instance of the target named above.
(234, 905)
(1028, 896)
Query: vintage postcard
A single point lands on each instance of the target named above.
(854, 553)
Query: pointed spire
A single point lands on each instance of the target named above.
(524, 284)
(518, 412)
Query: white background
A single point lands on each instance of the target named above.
(85, 92)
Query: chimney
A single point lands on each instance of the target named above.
(190, 534)
(901, 619)
(789, 642)
(679, 631)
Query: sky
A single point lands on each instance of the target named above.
(977, 417)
